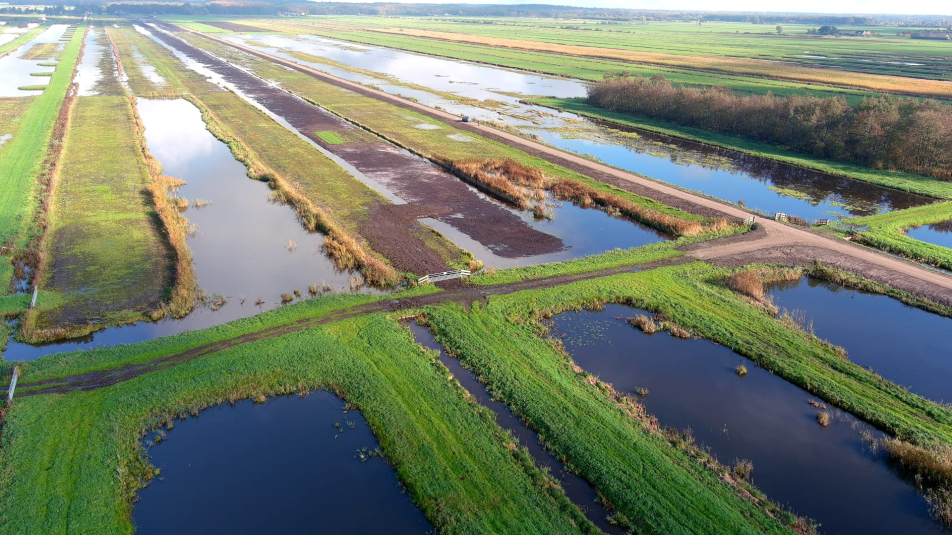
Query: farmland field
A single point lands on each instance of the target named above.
(428, 274)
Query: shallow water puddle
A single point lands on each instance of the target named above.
(576, 488)
(906, 345)
(15, 72)
(823, 473)
(762, 184)
(937, 234)
(279, 467)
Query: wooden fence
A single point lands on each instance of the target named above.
(444, 276)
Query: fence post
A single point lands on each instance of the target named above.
(36, 291)
(13, 384)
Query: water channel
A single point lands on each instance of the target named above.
(937, 234)
(15, 72)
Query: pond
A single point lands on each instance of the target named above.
(937, 234)
(824, 473)
(762, 184)
(279, 467)
(904, 344)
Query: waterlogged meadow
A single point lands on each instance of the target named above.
(499, 96)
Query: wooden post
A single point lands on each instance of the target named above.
(36, 291)
(13, 384)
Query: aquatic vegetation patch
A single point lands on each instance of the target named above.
(331, 137)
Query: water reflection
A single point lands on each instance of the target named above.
(822, 473)
(280, 467)
(937, 234)
(906, 345)
(15, 71)
(763, 184)
(240, 249)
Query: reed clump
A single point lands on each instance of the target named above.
(930, 466)
(823, 418)
(646, 324)
(747, 282)
(505, 178)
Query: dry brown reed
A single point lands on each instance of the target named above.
(931, 467)
(646, 324)
(823, 418)
(747, 282)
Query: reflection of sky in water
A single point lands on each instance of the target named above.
(562, 130)
(938, 234)
(15, 71)
(87, 73)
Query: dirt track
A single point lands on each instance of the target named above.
(778, 243)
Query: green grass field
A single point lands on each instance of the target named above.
(21, 158)
(61, 475)
(428, 430)
(105, 251)
(888, 232)
(686, 51)
(932, 187)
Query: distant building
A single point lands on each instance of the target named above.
(939, 36)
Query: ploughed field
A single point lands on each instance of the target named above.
(211, 212)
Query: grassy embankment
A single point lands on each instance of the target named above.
(448, 146)
(888, 232)
(537, 57)
(22, 162)
(74, 462)
(932, 187)
(325, 196)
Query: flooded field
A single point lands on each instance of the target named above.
(239, 246)
(288, 465)
(498, 235)
(576, 488)
(494, 94)
(936, 234)
(825, 473)
(16, 72)
(906, 345)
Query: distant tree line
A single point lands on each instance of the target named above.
(883, 132)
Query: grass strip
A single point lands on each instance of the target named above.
(104, 249)
(7, 48)
(21, 159)
(888, 232)
(74, 462)
(932, 187)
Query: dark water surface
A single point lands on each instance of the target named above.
(937, 234)
(906, 345)
(725, 174)
(823, 473)
(280, 467)
(576, 488)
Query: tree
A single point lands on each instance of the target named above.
(779, 30)
(828, 30)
